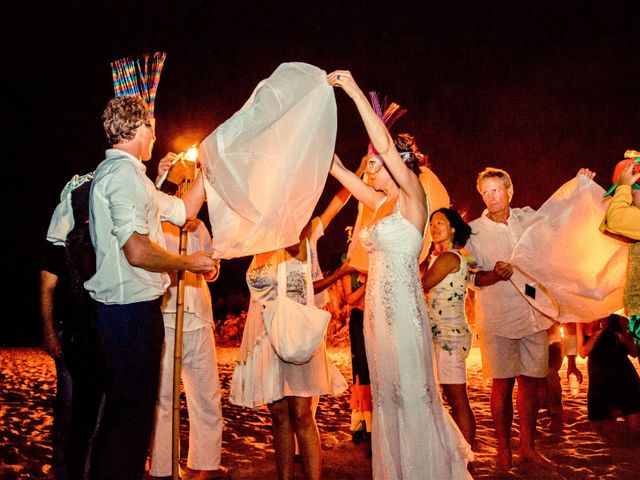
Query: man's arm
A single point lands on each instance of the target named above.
(501, 271)
(570, 349)
(48, 283)
(141, 252)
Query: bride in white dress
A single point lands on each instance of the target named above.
(413, 435)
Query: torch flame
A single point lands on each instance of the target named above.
(192, 154)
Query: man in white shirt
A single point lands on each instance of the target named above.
(199, 367)
(512, 334)
(126, 212)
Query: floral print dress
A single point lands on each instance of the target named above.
(445, 304)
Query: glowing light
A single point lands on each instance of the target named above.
(191, 154)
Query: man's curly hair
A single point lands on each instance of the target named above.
(123, 116)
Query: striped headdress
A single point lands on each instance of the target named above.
(138, 77)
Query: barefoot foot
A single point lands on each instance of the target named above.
(534, 457)
(503, 460)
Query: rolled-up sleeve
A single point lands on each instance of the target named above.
(128, 203)
(171, 208)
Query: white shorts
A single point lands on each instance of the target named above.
(451, 368)
(510, 357)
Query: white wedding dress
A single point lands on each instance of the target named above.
(413, 436)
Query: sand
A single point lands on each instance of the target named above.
(581, 450)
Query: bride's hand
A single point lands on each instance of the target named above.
(344, 80)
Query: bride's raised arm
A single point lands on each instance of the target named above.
(379, 135)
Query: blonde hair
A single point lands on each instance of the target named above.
(491, 172)
(123, 116)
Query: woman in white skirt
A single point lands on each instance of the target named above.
(261, 378)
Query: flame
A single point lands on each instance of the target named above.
(192, 154)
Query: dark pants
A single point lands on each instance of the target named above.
(359, 365)
(80, 356)
(77, 403)
(61, 420)
(129, 339)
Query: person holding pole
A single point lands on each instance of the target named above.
(197, 365)
(126, 211)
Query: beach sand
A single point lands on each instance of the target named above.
(581, 450)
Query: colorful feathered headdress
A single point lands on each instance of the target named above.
(389, 113)
(138, 77)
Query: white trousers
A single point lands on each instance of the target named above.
(202, 390)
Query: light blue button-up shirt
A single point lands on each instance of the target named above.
(124, 200)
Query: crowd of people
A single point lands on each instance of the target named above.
(408, 328)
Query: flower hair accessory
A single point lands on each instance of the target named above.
(472, 263)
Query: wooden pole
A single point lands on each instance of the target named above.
(177, 349)
(177, 365)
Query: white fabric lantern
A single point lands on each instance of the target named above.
(267, 165)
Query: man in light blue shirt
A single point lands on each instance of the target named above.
(126, 212)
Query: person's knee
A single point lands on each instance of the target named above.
(279, 413)
(301, 412)
(502, 387)
(530, 383)
(302, 417)
(456, 396)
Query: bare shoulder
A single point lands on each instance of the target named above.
(449, 259)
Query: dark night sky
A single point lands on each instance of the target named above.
(538, 88)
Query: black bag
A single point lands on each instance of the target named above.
(80, 259)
